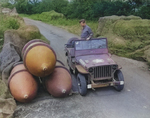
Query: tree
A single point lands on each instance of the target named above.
(34, 2)
(23, 6)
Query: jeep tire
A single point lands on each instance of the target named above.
(118, 76)
(82, 85)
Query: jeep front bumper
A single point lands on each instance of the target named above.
(98, 85)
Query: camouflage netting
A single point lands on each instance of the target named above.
(128, 36)
(14, 40)
(7, 103)
(14, 12)
(106, 23)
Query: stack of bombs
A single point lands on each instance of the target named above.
(39, 61)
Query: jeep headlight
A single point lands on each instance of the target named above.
(90, 70)
(114, 67)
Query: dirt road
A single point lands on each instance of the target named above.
(132, 102)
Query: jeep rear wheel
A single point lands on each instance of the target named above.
(118, 76)
(82, 85)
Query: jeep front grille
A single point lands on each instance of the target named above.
(102, 71)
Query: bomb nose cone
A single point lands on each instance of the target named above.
(64, 91)
(59, 83)
(44, 69)
(26, 96)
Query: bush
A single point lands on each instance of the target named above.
(144, 12)
(23, 6)
(12, 23)
(7, 5)
(7, 22)
(92, 10)
(52, 15)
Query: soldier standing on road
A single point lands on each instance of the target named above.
(86, 33)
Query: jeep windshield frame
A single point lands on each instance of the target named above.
(100, 43)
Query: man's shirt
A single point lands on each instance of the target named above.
(86, 32)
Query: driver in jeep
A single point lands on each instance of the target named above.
(86, 33)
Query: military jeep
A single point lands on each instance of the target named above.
(93, 65)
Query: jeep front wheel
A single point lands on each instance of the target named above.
(82, 85)
(118, 76)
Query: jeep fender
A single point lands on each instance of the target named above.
(81, 69)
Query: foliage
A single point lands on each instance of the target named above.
(144, 12)
(23, 6)
(87, 9)
(52, 15)
(7, 5)
(12, 23)
(7, 22)
(3, 1)
(94, 10)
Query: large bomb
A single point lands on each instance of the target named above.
(59, 83)
(21, 83)
(39, 58)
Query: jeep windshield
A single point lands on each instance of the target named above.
(90, 44)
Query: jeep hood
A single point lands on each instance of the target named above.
(95, 60)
